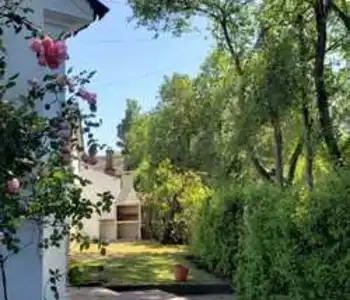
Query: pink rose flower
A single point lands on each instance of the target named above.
(61, 49)
(42, 60)
(50, 53)
(47, 42)
(52, 63)
(90, 98)
(36, 45)
(13, 186)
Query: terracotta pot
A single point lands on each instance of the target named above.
(181, 273)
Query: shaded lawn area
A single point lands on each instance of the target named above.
(132, 264)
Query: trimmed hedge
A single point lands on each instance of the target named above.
(215, 235)
(285, 244)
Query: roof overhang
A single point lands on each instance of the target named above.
(99, 9)
(69, 21)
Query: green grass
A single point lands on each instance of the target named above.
(133, 264)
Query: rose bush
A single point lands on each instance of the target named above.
(39, 183)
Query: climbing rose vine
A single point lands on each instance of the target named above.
(40, 188)
(49, 52)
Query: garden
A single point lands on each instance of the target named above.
(247, 161)
(133, 265)
(242, 169)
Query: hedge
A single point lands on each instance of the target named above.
(285, 244)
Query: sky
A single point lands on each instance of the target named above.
(130, 63)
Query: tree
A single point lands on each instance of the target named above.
(132, 111)
(248, 30)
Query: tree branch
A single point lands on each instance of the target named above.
(345, 18)
(229, 42)
(265, 174)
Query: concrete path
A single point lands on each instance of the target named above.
(104, 294)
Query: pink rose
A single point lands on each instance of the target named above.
(90, 98)
(82, 93)
(42, 60)
(52, 63)
(35, 45)
(50, 53)
(47, 42)
(13, 186)
(61, 49)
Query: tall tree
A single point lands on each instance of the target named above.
(132, 111)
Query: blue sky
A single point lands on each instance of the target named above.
(130, 63)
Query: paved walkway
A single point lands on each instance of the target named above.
(104, 294)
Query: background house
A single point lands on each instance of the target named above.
(28, 271)
(124, 221)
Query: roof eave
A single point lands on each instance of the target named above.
(99, 9)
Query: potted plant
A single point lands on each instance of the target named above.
(181, 272)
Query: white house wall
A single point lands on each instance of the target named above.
(100, 183)
(54, 257)
(23, 270)
(77, 8)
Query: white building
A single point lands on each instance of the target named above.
(124, 221)
(28, 271)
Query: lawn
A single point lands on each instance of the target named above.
(132, 264)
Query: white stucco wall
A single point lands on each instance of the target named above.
(100, 183)
(54, 257)
(28, 271)
(24, 270)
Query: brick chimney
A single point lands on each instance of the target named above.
(109, 168)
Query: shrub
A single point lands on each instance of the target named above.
(170, 197)
(216, 231)
(324, 244)
(285, 244)
(296, 246)
(266, 261)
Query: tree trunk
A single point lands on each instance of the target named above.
(309, 153)
(293, 161)
(321, 13)
(278, 145)
(307, 121)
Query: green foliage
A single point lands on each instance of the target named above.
(266, 260)
(216, 231)
(170, 198)
(132, 111)
(250, 114)
(296, 245)
(278, 243)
